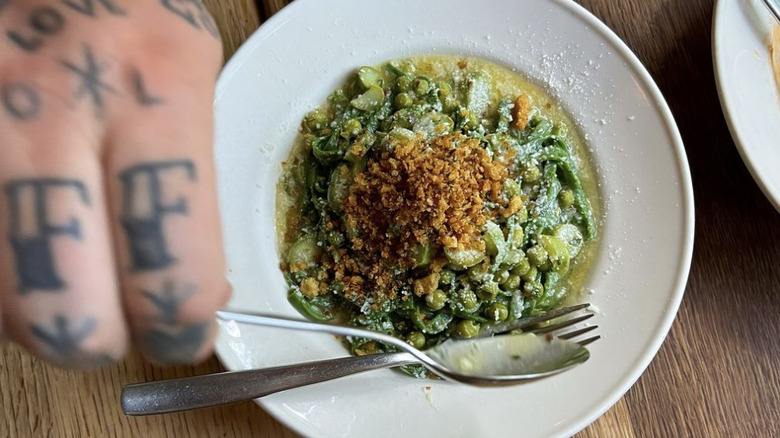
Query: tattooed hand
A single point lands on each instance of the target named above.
(108, 217)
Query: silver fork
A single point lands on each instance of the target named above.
(222, 388)
(774, 8)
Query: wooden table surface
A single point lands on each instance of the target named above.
(715, 376)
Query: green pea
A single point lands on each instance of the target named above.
(404, 83)
(467, 328)
(537, 255)
(421, 86)
(304, 251)
(522, 267)
(450, 104)
(416, 339)
(335, 238)
(446, 277)
(403, 100)
(532, 174)
(488, 291)
(501, 275)
(533, 289)
(351, 128)
(468, 299)
(565, 198)
(436, 299)
(512, 188)
(445, 89)
(497, 312)
(315, 121)
(530, 275)
(511, 283)
(478, 273)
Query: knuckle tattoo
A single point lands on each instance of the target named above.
(170, 341)
(143, 211)
(91, 84)
(32, 226)
(31, 243)
(63, 339)
(21, 101)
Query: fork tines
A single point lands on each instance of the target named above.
(572, 334)
(538, 325)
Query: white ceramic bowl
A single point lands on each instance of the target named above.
(302, 53)
(748, 93)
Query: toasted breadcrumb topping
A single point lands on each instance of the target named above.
(420, 193)
(521, 111)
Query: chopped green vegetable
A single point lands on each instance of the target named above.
(530, 234)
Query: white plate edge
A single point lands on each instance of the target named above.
(726, 108)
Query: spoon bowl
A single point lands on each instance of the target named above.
(509, 359)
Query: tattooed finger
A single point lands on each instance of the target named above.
(57, 284)
(165, 221)
(172, 285)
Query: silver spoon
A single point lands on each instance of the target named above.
(495, 361)
(489, 361)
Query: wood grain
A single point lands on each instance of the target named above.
(270, 7)
(715, 376)
(236, 19)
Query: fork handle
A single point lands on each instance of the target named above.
(176, 395)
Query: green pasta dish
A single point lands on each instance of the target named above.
(435, 197)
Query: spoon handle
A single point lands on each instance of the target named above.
(176, 395)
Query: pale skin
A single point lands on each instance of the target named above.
(109, 232)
